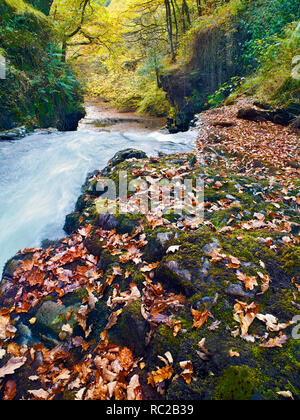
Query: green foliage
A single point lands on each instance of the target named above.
(217, 99)
(274, 82)
(54, 89)
(265, 22)
(39, 88)
(128, 87)
(266, 53)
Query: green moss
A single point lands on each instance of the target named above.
(130, 329)
(291, 259)
(164, 341)
(236, 383)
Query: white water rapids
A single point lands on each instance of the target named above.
(41, 178)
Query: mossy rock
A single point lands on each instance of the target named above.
(130, 329)
(72, 223)
(122, 156)
(236, 383)
(51, 316)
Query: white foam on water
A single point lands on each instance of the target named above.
(41, 178)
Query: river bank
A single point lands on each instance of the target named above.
(41, 174)
(143, 304)
(100, 116)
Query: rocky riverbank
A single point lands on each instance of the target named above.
(144, 304)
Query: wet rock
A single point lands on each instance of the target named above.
(69, 121)
(185, 274)
(230, 197)
(208, 249)
(14, 134)
(72, 222)
(237, 290)
(204, 271)
(178, 279)
(121, 157)
(131, 326)
(107, 222)
(50, 318)
(45, 131)
(164, 237)
(277, 116)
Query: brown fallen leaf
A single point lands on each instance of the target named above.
(12, 365)
(286, 394)
(177, 328)
(272, 322)
(39, 394)
(10, 390)
(275, 342)
(234, 262)
(149, 267)
(134, 389)
(265, 282)
(245, 314)
(188, 371)
(113, 319)
(7, 330)
(126, 358)
(233, 353)
(200, 318)
(160, 375)
(250, 282)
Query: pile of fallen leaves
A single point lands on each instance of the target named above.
(254, 146)
(103, 373)
(98, 369)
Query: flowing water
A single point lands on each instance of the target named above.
(41, 178)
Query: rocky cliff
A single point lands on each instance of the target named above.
(214, 61)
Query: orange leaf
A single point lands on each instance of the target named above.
(200, 318)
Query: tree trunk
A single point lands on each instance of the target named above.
(169, 24)
(185, 13)
(199, 7)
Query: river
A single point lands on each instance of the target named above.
(42, 174)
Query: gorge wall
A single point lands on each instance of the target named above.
(215, 59)
(39, 90)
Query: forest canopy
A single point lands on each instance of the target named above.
(125, 46)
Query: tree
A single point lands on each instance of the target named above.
(83, 23)
(42, 5)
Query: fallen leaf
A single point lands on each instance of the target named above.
(250, 282)
(12, 365)
(245, 315)
(134, 389)
(40, 394)
(200, 318)
(188, 371)
(10, 390)
(275, 342)
(286, 394)
(173, 249)
(233, 353)
(160, 375)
